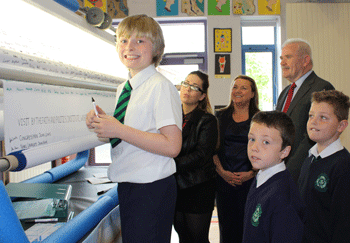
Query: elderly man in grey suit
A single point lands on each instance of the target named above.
(295, 99)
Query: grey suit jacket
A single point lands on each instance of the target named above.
(299, 112)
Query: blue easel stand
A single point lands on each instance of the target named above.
(61, 171)
(11, 230)
(80, 225)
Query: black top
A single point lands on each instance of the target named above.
(233, 142)
(195, 164)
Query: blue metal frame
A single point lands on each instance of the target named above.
(264, 48)
(11, 230)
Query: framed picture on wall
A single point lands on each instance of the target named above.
(222, 40)
(222, 65)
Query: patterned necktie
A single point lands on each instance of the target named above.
(120, 110)
(289, 98)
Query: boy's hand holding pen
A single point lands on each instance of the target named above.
(104, 126)
(94, 105)
(96, 112)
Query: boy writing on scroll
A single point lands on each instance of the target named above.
(324, 181)
(144, 146)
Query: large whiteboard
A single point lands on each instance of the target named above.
(38, 114)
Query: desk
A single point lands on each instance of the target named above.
(84, 193)
(83, 196)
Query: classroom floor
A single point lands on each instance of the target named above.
(214, 235)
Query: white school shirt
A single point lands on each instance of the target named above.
(329, 150)
(154, 103)
(266, 174)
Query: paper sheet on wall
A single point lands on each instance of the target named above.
(40, 114)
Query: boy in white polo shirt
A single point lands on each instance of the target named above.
(142, 163)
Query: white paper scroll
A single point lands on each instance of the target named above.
(39, 115)
(42, 154)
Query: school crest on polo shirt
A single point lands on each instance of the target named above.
(321, 183)
(256, 215)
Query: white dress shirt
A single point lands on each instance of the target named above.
(154, 103)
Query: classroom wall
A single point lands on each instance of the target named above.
(327, 28)
(219, 88)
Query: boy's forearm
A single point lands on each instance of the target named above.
(167, 143)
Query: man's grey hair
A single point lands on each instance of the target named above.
(304, 46)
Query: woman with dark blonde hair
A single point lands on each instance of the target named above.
(195, 170)
(232, 164)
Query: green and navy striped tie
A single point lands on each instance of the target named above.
(120, 110)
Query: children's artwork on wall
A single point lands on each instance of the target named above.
(167, 7)
(218, 7)
(101, 4)
(222, 40)
(267, 7)
(192, 7)
(117, 8)
(222, 66)
(243, 7)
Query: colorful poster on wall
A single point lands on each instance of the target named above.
(192, 7)
(117, 8)
(267, 7)
(222, 66)
(102, 4)
(243, 7)
(218, 7)
(222, 40)
(167, 7)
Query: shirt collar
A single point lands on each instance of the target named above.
(301, 80)
(142, 76)
(263, 176)
(331, 149)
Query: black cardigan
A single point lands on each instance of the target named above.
(194, 164)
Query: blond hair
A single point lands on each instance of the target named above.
(144, 26)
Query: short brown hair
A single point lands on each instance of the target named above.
(144, 26)
(337, 99)
(280, 121)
